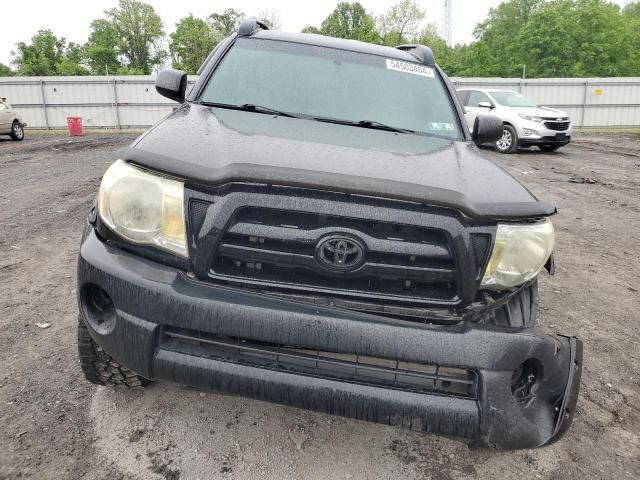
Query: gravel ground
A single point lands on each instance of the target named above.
(58, 426)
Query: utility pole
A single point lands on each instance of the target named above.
(447, 22)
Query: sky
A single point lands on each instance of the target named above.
(71, 18)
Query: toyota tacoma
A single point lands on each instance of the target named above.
(314, 226)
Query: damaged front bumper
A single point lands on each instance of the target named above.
(508, 388)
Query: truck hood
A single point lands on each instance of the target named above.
(215, 146)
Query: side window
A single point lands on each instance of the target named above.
(2, 106)
(464, 97)
(476, 97)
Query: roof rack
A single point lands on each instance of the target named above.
(421, 52)
(250, 25)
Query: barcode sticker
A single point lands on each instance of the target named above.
(407, 67)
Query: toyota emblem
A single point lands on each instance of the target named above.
(340, 253)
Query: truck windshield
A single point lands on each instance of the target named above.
(512, 99)
(330, 84)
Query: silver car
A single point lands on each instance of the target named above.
(10, 121)
(526, 124)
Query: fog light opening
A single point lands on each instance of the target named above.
(98, 308)
(525, 381)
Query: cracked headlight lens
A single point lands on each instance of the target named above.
(519, 253)
(143, 208)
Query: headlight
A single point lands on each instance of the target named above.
(531, 118)
(143, 208)
(519, 253)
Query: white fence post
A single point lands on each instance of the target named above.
(117, 106)
(584, 102)
(44, 105)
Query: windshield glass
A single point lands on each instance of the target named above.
(330, 83)
(513, 99)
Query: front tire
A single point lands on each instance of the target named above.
(548, 148)
(509, 141)
(17, 131)
(100, 368)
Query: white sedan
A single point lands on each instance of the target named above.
(10, 121)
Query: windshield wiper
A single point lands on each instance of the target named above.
(250, 107)
(365, 124)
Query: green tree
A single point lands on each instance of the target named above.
(271, 18)
(41, 56)
(311, 29)
(400, 23)
(631, 15)
(430, 37)
(557, 38)
(349, 20)
(190, 44)
(225, 23)
(499, 33)
(73, 61)
(101, 49)
(632, 9)
(574, 38)
(138, 35)
(49, 55)
(5, 71)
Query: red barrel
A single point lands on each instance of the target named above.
(74, 124)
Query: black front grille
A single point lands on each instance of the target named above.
(557, 126)
(352, 368)
(277, 249)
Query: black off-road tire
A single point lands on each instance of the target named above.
(99, 368)
(521, 310)
(509, 141)
(548, 148)
(17, 131)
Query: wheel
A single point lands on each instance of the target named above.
(17, 132)
(548, 148)
(99, 368)
(520, 311)
(509, 141)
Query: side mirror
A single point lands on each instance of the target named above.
(172, 84)
(487, 129)
(485, 105)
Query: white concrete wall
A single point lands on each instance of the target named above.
(131, 101)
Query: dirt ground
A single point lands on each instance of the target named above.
(55, 425)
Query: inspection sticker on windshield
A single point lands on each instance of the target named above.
(407, 67)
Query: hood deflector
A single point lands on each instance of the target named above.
(359, 185)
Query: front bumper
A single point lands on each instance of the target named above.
(151, 299)
(546, 140)
(534, 133)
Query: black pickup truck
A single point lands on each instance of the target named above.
(315, 226)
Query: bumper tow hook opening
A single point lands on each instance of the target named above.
(99, 309)
(525, 380)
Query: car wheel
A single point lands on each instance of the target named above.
(99, 367)
(17, 132)
(509, 141)
(548, 148)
